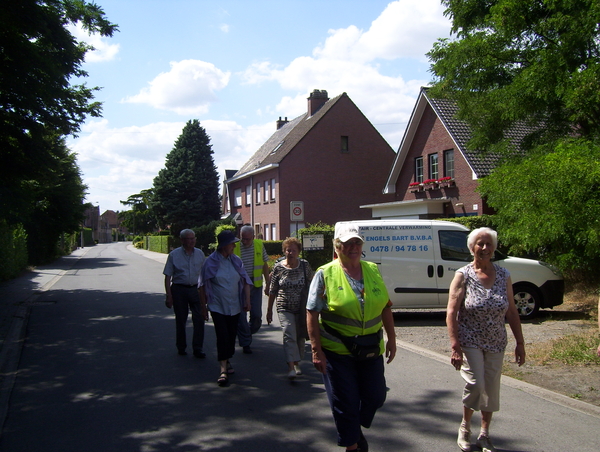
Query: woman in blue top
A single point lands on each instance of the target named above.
(225, 290)
(480, 299)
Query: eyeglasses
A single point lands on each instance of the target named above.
(354, 242)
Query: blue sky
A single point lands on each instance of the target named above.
(237, 66)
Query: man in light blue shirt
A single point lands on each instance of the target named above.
(181, 272)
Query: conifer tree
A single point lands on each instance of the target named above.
(186, 190)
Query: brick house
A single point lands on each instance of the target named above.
(330, 158)
(434, 175)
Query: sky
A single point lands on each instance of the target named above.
(237, 66)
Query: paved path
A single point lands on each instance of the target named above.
(97, 371)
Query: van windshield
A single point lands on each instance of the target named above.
(453, 245)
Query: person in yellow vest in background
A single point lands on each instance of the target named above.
(253, 255)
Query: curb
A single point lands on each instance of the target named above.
(546, 394)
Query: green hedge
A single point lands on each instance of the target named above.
(88, 237)
(13, 250)
(319, 257)
(161, 243)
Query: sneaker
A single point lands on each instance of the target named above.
(247, 350)
(297, 369)
(292, 374)
(464, 439)
(485, 444)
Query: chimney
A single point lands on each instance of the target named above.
(281, 123)
(316, 100)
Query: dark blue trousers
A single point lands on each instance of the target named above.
(186, 299)
(356, 390)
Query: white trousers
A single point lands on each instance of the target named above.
(481, 371)
(293, 346)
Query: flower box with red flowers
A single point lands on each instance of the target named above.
(430, 184)
(446, 182)
(415, 186)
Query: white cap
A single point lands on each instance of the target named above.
(347, 231)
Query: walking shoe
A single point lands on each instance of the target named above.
(485, 444)
(297, 369)
(200, 355)
(182, 352)
(464, 439)
(292, 374)
(247, 350)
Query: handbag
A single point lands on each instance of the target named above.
(360, 347)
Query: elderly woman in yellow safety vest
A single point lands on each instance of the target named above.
(347, 310)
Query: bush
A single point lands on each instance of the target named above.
(317, 258)
(206, 235)
(273, 247)
(13, 250)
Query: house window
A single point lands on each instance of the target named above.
(266, 191)
(273, 231)
(258, 193)
(449, 163)
(267, 232)
(249, 195)
(433, 166)
(273, 189)
(419, 169)
(344, 144)
(237, 197)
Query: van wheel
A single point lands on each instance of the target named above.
(527, 299)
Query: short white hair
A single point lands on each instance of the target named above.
(185, 232)
(247, 228)
(472, 238)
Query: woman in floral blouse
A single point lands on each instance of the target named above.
(481, 298)
(290, 280)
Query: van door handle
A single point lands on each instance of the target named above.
(440, 271)
(430, 271)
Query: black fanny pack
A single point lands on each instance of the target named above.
(361, 347)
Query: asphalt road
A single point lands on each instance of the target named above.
(99, 371)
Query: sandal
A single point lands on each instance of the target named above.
(223, 379)
(229, 368)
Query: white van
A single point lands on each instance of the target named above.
(418, 259)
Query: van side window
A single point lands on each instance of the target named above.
(453, 245)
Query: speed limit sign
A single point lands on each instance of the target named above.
(297, 211)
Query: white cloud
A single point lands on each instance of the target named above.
(103, 51)
(187, 89)
(350, 61)
(119, 162)
(224, 28)
(405, 29)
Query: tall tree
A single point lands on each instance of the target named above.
(140, 218)
(54, 202)
(38, 59)
(186, 191)
(532, 62)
